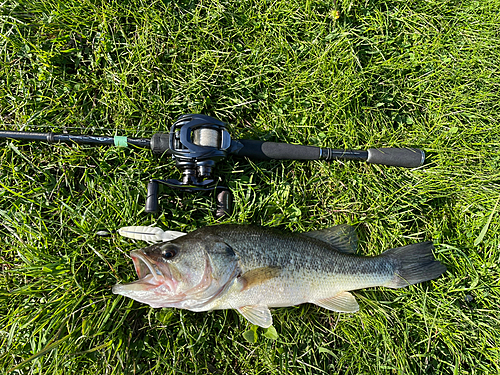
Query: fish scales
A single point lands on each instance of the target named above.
(311, 269)
(250, 269)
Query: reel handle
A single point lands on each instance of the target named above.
(152, 197)
(224, 203)
(224, 198)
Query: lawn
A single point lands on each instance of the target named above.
(352, 74)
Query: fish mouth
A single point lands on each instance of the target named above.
(151, 274)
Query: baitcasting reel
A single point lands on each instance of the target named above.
(196, 143)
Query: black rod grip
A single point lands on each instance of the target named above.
(152, 197)
(397, 157)
(272, 150)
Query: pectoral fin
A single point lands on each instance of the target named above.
(342, 302)
(258, 276)
(257, 314)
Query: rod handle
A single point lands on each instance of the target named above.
(272, 150)
(397, 157)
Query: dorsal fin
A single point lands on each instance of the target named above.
(342, 237)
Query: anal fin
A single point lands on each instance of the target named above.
(257, 314)
(342, 302)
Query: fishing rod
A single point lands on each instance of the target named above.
(197, 142)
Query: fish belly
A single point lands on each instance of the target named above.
(305, 287)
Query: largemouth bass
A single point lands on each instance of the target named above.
(251, 269)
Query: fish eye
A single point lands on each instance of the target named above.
(168, 253)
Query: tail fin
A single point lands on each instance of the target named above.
(414, 264)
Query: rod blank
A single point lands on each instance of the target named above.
(95, 140)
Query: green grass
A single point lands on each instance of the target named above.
(383, 74)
